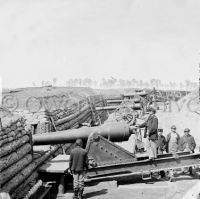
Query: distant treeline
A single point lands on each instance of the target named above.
(125, 83)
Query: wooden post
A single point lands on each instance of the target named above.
(91, 108)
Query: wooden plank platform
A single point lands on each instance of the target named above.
(57, 165)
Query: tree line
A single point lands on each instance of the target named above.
(106, 83)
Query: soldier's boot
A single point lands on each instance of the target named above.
(75, 193)
(80, 193)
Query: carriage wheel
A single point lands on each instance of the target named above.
(124, 112)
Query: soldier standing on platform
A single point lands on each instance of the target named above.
(151, 133)
(173, 139)
(78, 164)
(161, 142)
(187, 142)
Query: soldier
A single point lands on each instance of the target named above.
(173, 139)
(78, 164)
(151, 127)
(187, 142)
(161, 142)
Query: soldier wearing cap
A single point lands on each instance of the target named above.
(78, 164)
(187, 142)
(173, 139)
(151, 133)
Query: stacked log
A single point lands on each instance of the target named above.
(15, 150)
(60, 113)
(24, 187)
(84, 113)
(67, 119)
(72, 116)
(19, 165)
(20, 184)
(74, 119)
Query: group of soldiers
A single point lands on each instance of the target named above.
(174, 143)
(156, 143)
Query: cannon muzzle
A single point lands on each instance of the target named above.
(115, 132)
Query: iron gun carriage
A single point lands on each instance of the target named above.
(113, 162)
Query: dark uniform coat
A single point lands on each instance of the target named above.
(161, 143)
(187, 141)
(78, 160)
(151, 126)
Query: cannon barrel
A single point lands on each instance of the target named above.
(116, 132)
(137, 106)
(110, 101)
(141, 93)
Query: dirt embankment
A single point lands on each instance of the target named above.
(33, 99)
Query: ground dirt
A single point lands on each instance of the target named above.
(140, 190)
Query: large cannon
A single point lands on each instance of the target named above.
(109, 160)
(115, 132)
(109, 157)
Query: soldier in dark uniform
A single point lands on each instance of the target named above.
(151, 133)
(78, 164)
(161, 142)
(187, 142)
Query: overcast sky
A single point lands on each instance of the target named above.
(141, 39)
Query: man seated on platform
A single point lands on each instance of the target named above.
(78, 165)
